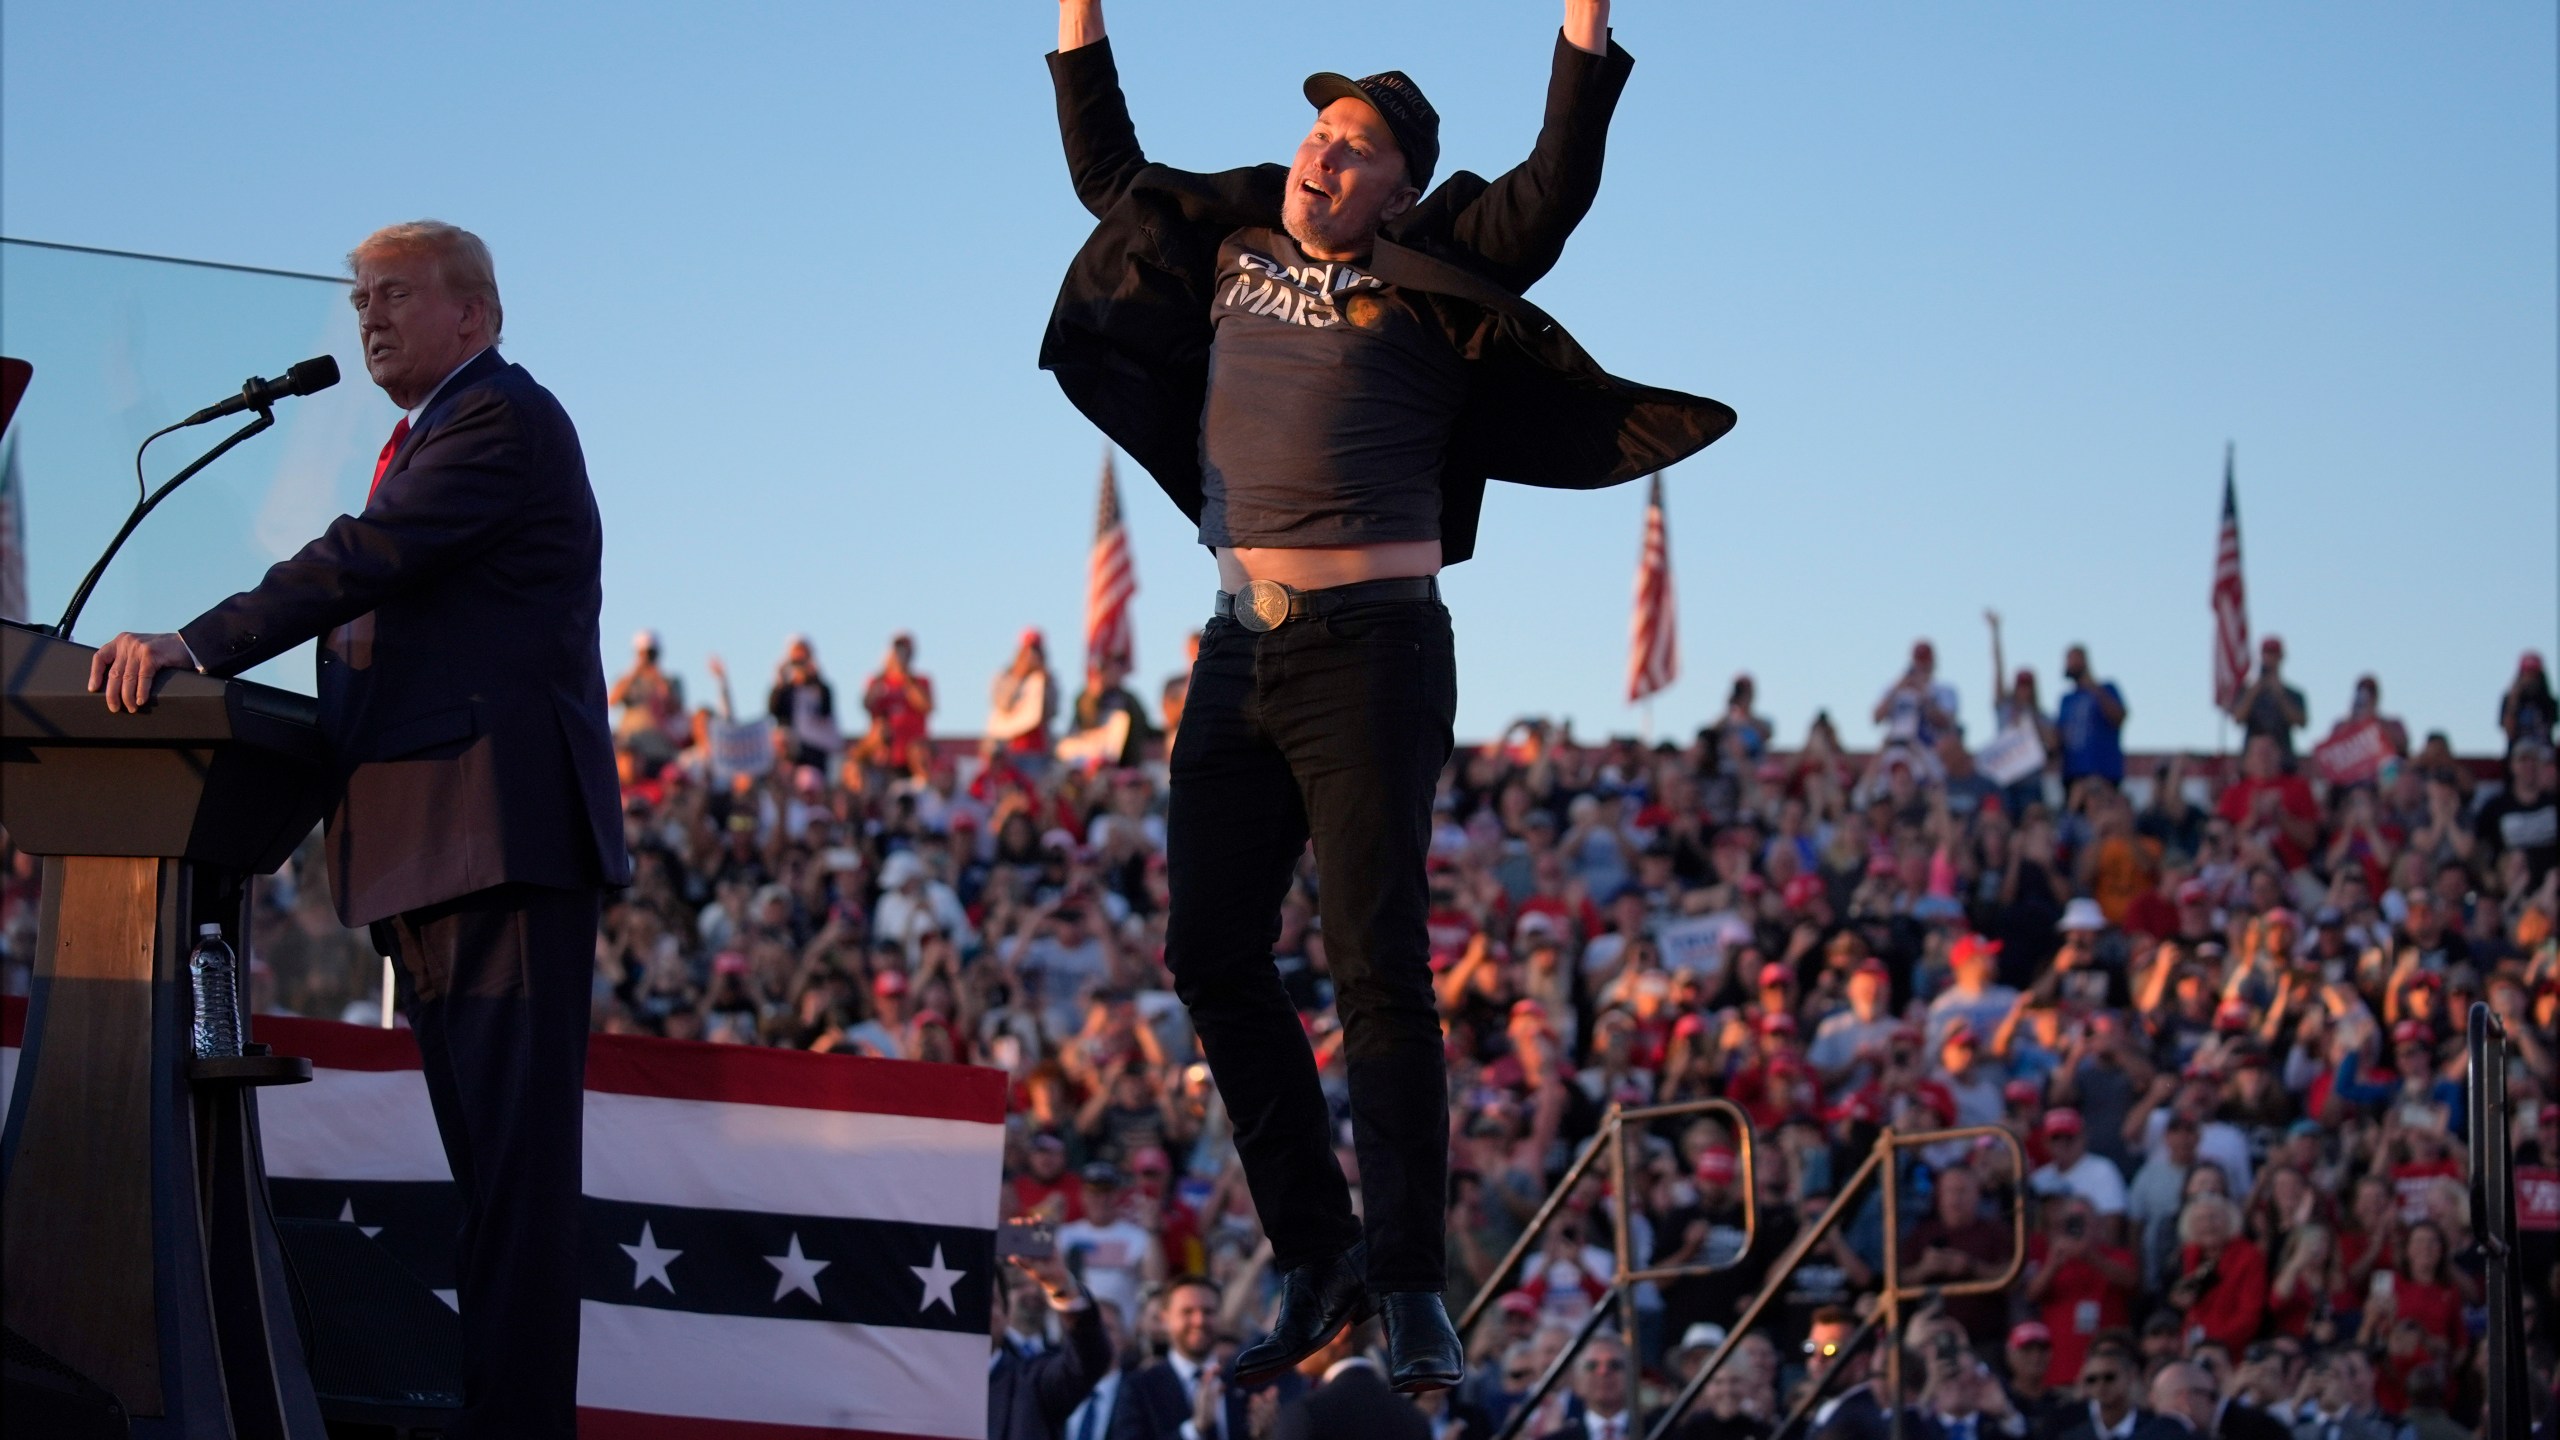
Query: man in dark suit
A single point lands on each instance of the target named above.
(1032, 1386)
(2111, 1377)
(1169, 1399)
(1604, 1380)
(462, 690)
(1322, 368)
(1852, 1412)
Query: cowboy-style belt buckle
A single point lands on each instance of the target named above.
(1262, 605)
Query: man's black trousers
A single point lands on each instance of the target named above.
(1333, 728)
(496, 986)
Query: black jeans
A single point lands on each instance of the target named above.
(1335, 729)
(496, 984)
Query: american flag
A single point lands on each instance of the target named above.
(1654, 659)
(2230, 599)
(1110, 580)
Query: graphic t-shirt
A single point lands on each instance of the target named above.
(1332, 397)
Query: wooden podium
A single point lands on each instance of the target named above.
(138, 1248)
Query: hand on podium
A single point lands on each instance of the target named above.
(126, 666)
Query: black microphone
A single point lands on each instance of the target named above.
(317, 373)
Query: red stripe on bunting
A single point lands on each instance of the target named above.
(670, 1069)
(752, 1075)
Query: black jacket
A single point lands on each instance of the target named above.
(1129, 338)
(461, 684)
(1354, 1405)
(1030, 1396)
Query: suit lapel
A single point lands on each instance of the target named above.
(480, 367)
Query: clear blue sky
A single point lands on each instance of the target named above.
(1990, 285)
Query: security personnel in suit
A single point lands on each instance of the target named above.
(478, 817)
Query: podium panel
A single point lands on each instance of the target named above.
(139, 1251)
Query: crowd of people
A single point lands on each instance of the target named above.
(2219, 1005)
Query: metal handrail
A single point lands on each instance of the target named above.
(1573, 1173)
(1620, 1299)
(1879, 1157)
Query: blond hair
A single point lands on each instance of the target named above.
(461, 257)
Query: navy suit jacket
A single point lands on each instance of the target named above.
(461, 682)
(1030, 1396)
(1152, 1406)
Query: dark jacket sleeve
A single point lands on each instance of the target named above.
(1064, 1376)
(1093, 121)
(1515, 231)
(463, 489)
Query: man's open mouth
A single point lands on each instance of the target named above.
(1313, 188)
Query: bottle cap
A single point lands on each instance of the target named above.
(213, 930)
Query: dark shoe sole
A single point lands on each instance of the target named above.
(1421, 1384)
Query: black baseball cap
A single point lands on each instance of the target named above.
(1399, 102)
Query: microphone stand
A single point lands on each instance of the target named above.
(144, 506)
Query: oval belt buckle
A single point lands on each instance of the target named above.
(1262, 605)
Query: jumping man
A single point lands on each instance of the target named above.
(1323, 368)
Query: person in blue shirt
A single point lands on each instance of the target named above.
(2090, 720)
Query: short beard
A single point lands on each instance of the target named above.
(1312, 238)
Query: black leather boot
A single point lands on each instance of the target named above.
(1316, 1300)
(1423, 1352)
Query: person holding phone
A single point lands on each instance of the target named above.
(1035, 1382)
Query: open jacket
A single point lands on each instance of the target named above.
(1129, 338)
(460, 685)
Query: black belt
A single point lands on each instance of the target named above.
(1266, 604)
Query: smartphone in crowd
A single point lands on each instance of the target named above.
(1026, 1237)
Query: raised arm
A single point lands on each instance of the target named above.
(1093, 117)
(1516, 229)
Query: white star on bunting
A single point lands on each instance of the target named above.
(796, 1272)
(649, 1261)
(937, 1284)
(347, 1216)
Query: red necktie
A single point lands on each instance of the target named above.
(390, 448)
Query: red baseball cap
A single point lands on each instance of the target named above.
(2233, 1016)
(1972, 947)
(2065, 1121)
(1517, 1302)
(889, 982)
(2412, 1032)
(1528, 1010)
(1777, 972)
(1872, 966)
(1690, 1027)
(1801, 891)
(1777, 1022)
(1716, 1165)
(2022, 1092)
(2032, 1332)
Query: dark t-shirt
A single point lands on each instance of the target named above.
(1332, 397)
(2532, 826)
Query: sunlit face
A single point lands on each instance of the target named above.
(1190, 1319)
(1347, 179)
(414, 329)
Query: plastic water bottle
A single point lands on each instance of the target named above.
(216, 972)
